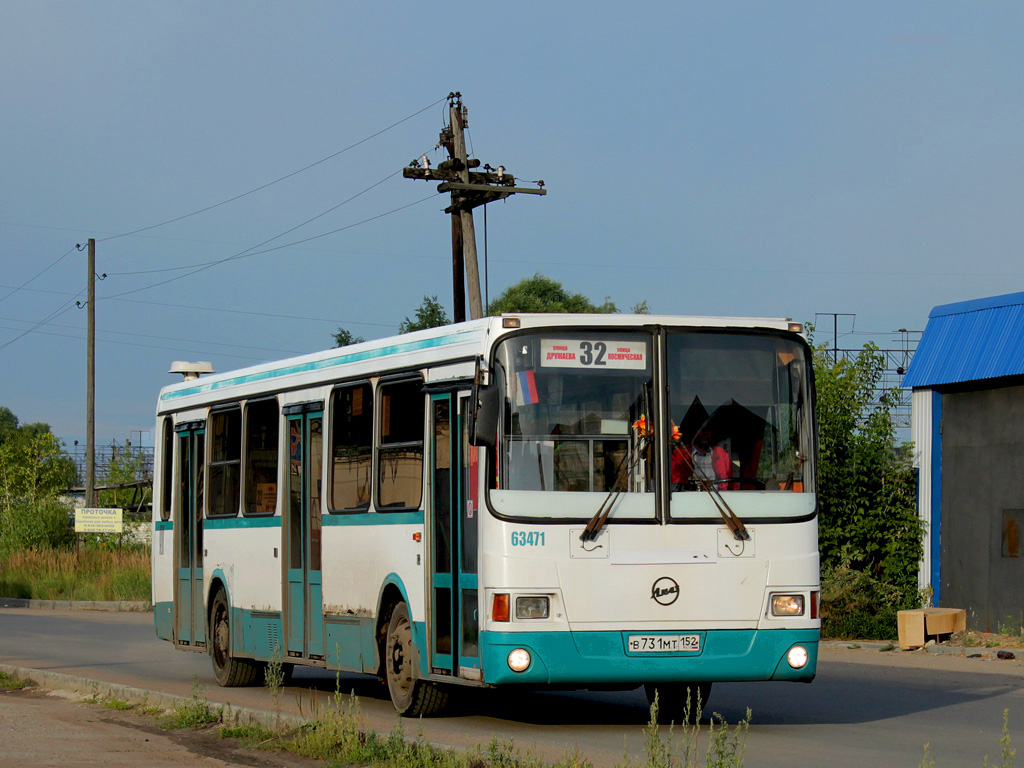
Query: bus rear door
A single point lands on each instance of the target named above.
(189, 622)
(303, 593)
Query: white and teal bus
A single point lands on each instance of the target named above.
(546, 501)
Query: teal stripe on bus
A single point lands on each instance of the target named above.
(376, 518)
(360, 518)
(353, 357)
(242, 522)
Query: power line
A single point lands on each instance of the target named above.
(152, 336)
(245, 254)
(208, 264)
(52, 316)
(146, 346)
(40, 273)
(275, 181)
(218, 309)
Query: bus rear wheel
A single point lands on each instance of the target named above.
(678, 702)
(411, 696)
(230, 672)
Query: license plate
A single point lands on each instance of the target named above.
(663, 643)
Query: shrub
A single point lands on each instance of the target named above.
(855, 605)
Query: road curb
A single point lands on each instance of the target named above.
(138, 606)
(230, 715)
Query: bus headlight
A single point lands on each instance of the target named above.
(532, 607)
(797, 657)
(519, 660)
(787, 605)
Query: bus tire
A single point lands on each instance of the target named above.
(673, 699)
(230, 672)
(411, 696)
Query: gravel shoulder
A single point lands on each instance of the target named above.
(40, 728)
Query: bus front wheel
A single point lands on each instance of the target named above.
(229, 671)
(678, 702)
(411, 696)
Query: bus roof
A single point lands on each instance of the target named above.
(460, 341)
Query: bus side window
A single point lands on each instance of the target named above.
(167, 470)
(351, 447)
(225, 462)
(262, 426)
(400, 452)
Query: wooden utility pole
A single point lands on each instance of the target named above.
(90, 398)
(468, 189)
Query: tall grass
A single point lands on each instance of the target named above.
(93, 574)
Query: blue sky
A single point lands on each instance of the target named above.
(761, 159)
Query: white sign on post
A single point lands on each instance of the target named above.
(98, 520)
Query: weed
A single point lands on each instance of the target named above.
(112, 703)
(853, 646)
(927, 761)
(573, 758)
(94, 697)
(11, 682)
(888, 647)
(725, 747)
(1008, 752)
(95, 574)
(250, 735)
(194, 712)
(273, 678)
(1011, 627)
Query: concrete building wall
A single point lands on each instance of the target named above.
(982, 491)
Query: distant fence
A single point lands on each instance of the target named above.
(108, 454)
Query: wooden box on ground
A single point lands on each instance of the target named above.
(915, 627)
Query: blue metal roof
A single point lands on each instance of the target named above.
(970, 340)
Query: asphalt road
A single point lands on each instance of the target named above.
(864, 709)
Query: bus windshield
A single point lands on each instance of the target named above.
(739, 410)
(572, 401)
(579, 426)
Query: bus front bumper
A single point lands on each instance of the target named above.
(582, 658)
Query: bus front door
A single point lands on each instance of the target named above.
(454, 518)
(189, 621)
(303, 593)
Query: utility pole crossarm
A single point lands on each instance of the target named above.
(449, 186)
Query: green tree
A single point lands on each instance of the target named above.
(343, 337)
(542, 294)
(127, 465)
(430, 314)
(8, 423)
(33, 474)
(868, 524)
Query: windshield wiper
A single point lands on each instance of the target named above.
(739, 530)
(621, 477)
(644, 438)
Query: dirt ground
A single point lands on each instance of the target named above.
(40, 729)
(971, 639)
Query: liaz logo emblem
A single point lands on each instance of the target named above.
(665, 591)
